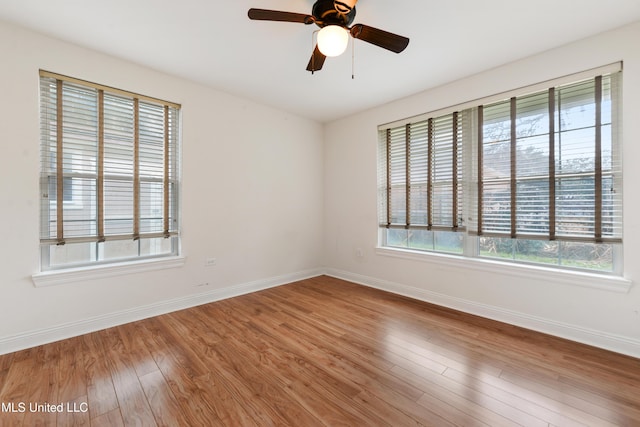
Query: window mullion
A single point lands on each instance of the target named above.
(166, 173)
(480, 159)
(552, 164)
(513, 153)
(59, 164)
(388, 142)
(407, 157)
(136, 168)
(454, 171)
(598, 161)
(430, 160)
(100, 180)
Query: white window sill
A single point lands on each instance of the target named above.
(570, 277)
(61, 277)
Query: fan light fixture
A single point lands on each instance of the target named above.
(335, 19)
(333, 40)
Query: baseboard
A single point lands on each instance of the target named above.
(60, 332)
(618, 344)
(615, 343)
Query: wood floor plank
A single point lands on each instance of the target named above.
(131, 399)
(5, 362)
(163, 403)
(142, 361)
(276, 349)
(72, 379)
(199, 408)
(334, 352)
(320, 352)
(75, 413)
(286, 402)
(240, 403)
(112, 418)
(251, 361)
(44, 384)
(306, 376)
(557, 410)
(101, 395)
(3, 378)
(478, 405)
(392, 415)
(605, 415)
(16, 388)
(488, 384)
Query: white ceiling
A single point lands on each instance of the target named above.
(213, 42)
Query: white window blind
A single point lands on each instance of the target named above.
(109, 164)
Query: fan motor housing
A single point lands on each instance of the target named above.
(326, 14)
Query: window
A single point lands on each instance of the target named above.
(532, 178)
(109, 174)
(424, 183)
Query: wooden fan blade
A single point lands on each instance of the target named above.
(276, 15)
(383, 39)
(317, 60)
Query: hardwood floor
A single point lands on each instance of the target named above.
(319, 352)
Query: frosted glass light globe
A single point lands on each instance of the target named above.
(333, 40)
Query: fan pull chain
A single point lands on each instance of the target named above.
(353, 58)
(313, 57)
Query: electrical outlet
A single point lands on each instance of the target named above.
(209, 262)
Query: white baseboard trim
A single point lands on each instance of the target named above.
(615, 343)
(618, 344)
(68, 330)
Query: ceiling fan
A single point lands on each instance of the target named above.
(334, 18)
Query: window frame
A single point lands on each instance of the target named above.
(541, 272)
(470, 246)
(96, 237)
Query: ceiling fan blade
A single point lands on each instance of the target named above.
(317, 60)
(383, 39)
(276, 15)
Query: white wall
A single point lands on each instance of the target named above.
(253, 180)
(251, 197)
(596, 316)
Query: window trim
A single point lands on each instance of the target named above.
(100, 271)
(470, 250)
(551, 274)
